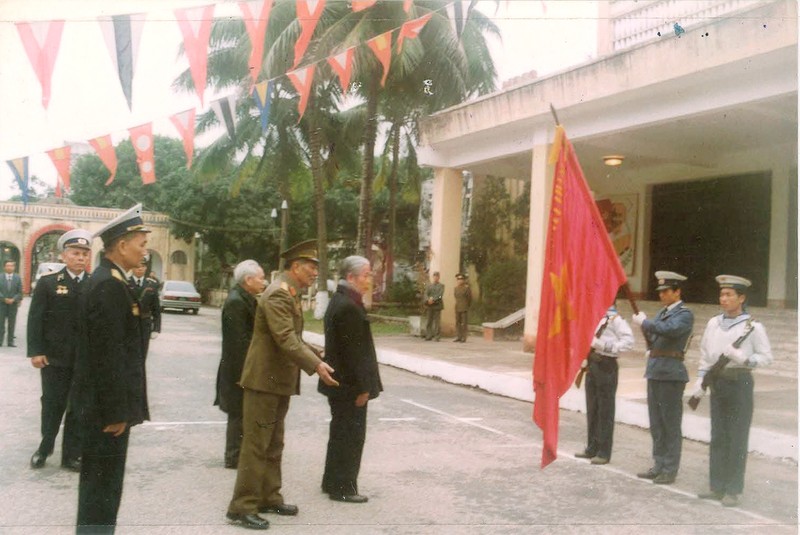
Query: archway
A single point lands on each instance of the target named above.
(9, 251)
(42, 248)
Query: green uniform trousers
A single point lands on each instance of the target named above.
(258, 477)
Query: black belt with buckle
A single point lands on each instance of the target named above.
(597, 357)
(667, 354)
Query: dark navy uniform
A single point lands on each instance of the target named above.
(150, 307)
(53, 331)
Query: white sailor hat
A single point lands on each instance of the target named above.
(733, 281)
(78, 237)
(130, 221)
(668, 280)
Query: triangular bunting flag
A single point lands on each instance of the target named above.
(184, 123)
(407, 5)
(41, 41)
(142, 140)
(302, 80)
(411, 30)
(195, 26)
(61, 160)
(105, 150)
(361, 5)
(262, 94)
(256, 18)
(225, 110)
(19, 167)
(122, 34)
(382, 47)
(308, 14)
(342, 65)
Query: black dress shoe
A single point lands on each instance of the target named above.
(584, 455)
(349, 498)
(283, 509)
(73, 465)
(38, 459)
(652, 473)
(665, 478)
(249, 520)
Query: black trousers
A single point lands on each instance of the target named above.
(601, 391)
(8, 314)
(56, 388)
(665, 407)
(348, 430)
(461, 325)
(731, 414)
(102, 474)
(233, 438)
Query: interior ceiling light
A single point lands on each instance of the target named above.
(613, 160)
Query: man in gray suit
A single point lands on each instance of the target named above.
(10, 298)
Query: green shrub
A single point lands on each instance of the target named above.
(503, 288)
(403, 292)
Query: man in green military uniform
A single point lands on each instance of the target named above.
(434, 295)
(271, 375)
(463, 296)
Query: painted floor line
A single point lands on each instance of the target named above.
(458, 419)
(410, 419)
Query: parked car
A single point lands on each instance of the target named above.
(180, 295)
(45, 268)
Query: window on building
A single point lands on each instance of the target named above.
(179, 257)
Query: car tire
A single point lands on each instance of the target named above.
(195, 311)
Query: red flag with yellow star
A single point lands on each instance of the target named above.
(582, 274)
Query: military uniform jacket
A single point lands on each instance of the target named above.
(349, 347)
(110, 367)
(463, 295)
(277, 351)
(668, 333)
(54, 318)
(150, 305)
(435, 291)
(719, 335)
(238, 316)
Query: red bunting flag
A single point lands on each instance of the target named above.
(256, 18)
(41, 41)
(105, 150)
(342, 64)
(302, 80)
(308, 14)
(582, 275)
(411, 30)
(61, 160)
(142, 140)
(407, 5)
(382, 47)
(361, 5)
(184, 123)
(195, 26)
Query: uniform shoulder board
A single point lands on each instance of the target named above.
(285, 286)
(116, 275)
(51, 273)
(152, 280)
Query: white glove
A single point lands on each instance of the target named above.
(584, 364)
(639, 318)
(698, 391)
(736, 355)
(153, 335)
(597, 344)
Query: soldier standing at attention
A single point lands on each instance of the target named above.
(146, 291)
(463, 296)
(434, 295)
(53, 337)
(735, 334)
(668, 336)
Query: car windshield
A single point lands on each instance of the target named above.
(179, 286)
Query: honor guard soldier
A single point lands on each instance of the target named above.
(434, 303)
(53, 338)
(463, 296)
(110, 372)
(667, 337)
(146, 291)
(743, 342)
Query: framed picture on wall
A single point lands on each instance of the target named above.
(620, 215)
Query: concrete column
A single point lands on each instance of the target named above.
(446, 237)
(778, 236)
(541, 190)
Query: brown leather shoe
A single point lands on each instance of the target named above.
(652, 473)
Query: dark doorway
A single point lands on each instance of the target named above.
(703, 228)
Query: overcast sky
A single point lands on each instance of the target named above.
(87, 101)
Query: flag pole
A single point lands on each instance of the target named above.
(555, 115)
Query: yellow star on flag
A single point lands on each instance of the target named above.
(564, 310)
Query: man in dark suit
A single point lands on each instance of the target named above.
(110, 374)
(146, 291)
(53, 337)
(349, 350)
(238, 314)
(10, 298)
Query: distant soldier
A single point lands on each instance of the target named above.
(53, 337)
(737, 336)
(146, 291)
(668, 336)
(463, 296)
(434, 295)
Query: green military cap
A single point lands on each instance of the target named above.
(305, 250)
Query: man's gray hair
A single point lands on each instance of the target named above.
(352, 265)
(244, 269)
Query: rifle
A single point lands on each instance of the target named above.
(718, 366)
